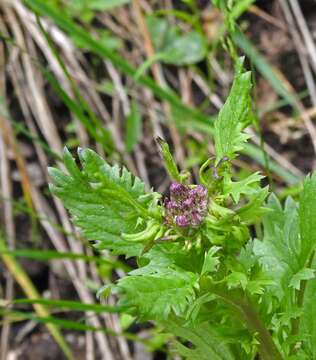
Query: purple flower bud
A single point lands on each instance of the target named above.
(201, 190)
(188, 203)
(202, 205)
(182, 221)
(172, 205)
(196, 218)
(177, 189)
(193, 193)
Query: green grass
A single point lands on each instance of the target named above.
(198, 121)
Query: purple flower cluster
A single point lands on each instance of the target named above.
(186, 206)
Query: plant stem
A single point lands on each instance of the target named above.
(267, 348)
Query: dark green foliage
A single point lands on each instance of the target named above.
(229, 295)
(104, 201)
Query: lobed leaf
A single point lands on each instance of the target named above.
(211, 261)
(234, 116)
(255, 208)
(247, 186)
(165, 282)
(156, 296)
(104, 201)
(279, 252)
(303, 274)
(207, 344)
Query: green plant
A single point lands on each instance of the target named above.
(222, 265)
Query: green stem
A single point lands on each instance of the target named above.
(267, 348)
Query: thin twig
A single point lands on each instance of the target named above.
(301, 51)
(6, 189)
(267, 17)
(308, 39)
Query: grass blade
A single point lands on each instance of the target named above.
(72, 305)
(102, 136)
(29, 289)
(264, 67)
(46, 255)
(65, 324)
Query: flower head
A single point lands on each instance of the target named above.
(182, 220)
(177, 189)
(187, 206)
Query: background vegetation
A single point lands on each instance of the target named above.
(114, 75)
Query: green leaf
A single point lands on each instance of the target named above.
(236, 279)
(211, 262)
(163, 257)
(279, 252)
(194, 310)
(246, 257)
(240, 7)
(307, 218)
(104, 5)
(104, 291)
(258, 286)
(105, 37)
(160, 31)
(234, 116)
(207, 344)
(307, 211)
(109, 40)
(255, 208)
(169, 162)
(308, 319)
(126, 321)
(164, 283)
(156, 296)
(105, 201)
(77, 8)
(173, 47)
(303, 274)
(247, 186)
(133, 128)
(184, 50)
